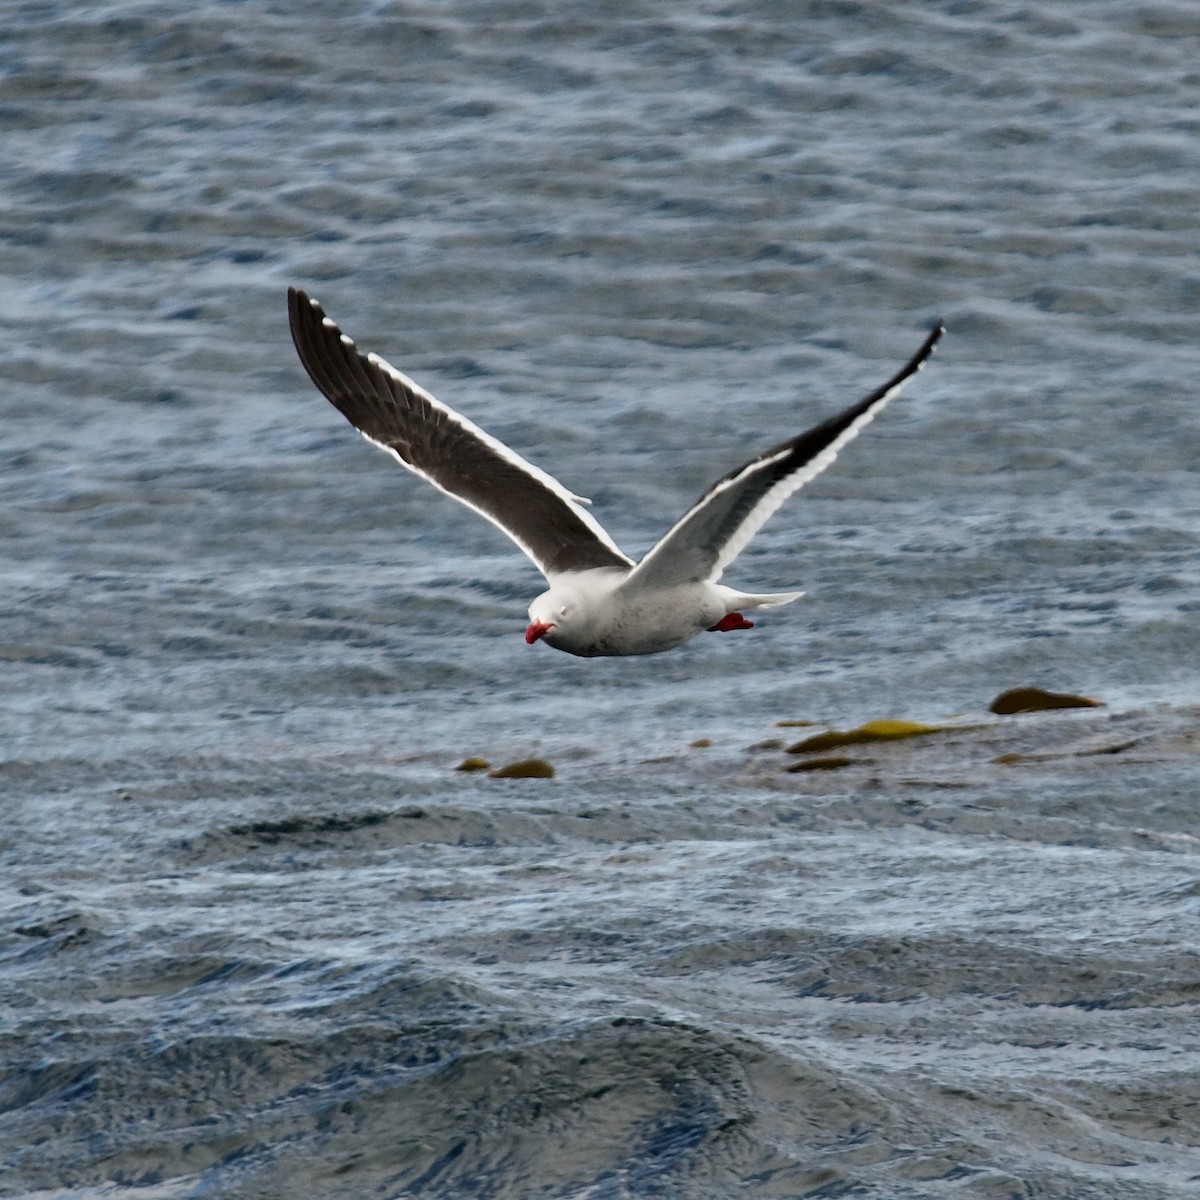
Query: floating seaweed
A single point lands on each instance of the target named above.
(474, 763)
(769, 744)
(1053, 755)
(830, 762)
(527, 768)
(886, 730)
(1035, 699)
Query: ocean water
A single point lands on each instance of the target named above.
(260, 938)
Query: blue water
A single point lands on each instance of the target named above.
(259, 936)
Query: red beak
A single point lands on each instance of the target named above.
(537, 629)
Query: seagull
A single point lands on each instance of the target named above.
(599, 602)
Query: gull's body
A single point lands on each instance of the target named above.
(600, 602)
(607, 612)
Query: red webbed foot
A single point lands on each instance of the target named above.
(731, 621)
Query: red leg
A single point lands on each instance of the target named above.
(731, 621)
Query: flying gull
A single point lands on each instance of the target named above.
(600, 601)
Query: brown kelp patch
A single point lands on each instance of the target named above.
(1035, 699)
(828, 762)
(526, 768)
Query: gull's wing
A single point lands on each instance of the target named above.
(456, 456)
(716, 529)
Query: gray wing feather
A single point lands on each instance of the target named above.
(544, 519)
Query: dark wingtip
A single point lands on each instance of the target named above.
(934, 336)
(299, 301)
(296, 302)
(323, 352)
(921, 357)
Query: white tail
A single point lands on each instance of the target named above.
(759, 600)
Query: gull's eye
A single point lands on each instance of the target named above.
(562, 612)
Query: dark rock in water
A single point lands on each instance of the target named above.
(474, 763)
(527, 768)
(1034, 699)
(700, 743)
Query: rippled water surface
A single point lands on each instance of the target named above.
(260, 938)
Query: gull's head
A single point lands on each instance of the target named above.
(553, 616)
(576, 615)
